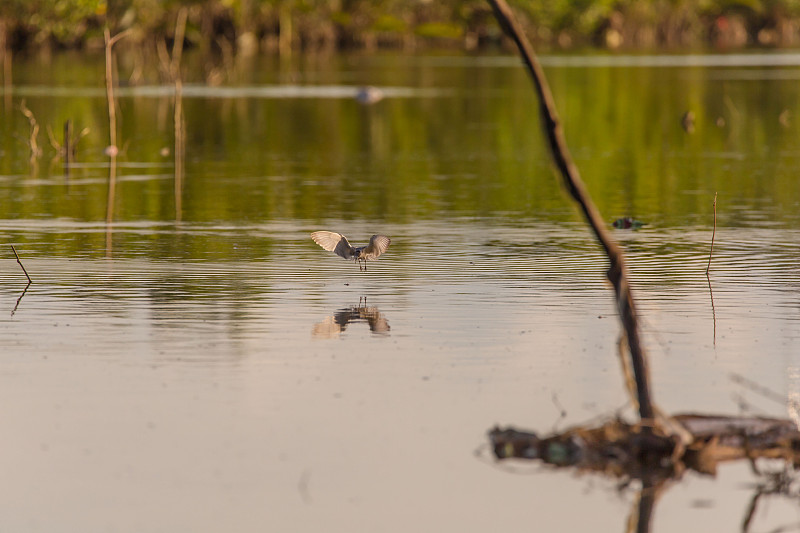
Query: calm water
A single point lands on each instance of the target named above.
(199, 364)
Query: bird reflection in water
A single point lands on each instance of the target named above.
(334, 325)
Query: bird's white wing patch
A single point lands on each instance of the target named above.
(333, 242)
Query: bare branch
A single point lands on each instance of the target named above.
(20, 264)
(713, 234)
(617, 272)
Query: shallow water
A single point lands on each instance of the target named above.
(210, 367)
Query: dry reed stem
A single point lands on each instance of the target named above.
(713, 234)
(112, 120)
(617, 272)
(7, 58)
(20, 263)
(179, 147)
(708, 268)
(112, 134)
(175, 72)
(112, 126)
(112, 112)
(713, 309)
(33, 143)
(68, 148)
(53, 141)
(177, 45)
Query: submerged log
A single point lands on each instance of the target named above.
(621, 449)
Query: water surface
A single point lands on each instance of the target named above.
(198, 363)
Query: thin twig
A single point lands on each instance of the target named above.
(617, 272)
(713, 234)
(708, 268)
(113, 40)
(20, 264)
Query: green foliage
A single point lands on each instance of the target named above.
(71, 23)
(475, 152)
(390, 23)
(64, 21)
(439, 30)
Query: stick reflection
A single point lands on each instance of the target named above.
(334, 325)
(20, 298)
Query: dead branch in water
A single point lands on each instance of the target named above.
(112, 149)
(617, 272)
(713, 234)
(175, 69)
(616, 447)
(20, 263)
(658, 448)
(5, 52)
(33, 143)
(69, 147)
(112, 106)
(708, 267)
(177, 44)
(170, 66)
(713, 309)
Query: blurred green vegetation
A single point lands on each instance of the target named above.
(226, 26)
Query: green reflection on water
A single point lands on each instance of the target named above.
(472, 149)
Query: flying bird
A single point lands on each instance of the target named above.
(337, 243)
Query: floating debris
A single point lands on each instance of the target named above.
(369, 95)
(620, 449)
(628, 223)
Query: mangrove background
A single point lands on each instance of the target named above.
(246, 26)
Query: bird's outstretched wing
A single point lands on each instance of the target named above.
(377, 245)
(334, 242)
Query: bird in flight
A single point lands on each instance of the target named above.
(337, 243)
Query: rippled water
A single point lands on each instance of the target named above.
(222, 372)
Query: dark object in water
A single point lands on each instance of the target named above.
(621, 449)
(687, 121)
(628, 223)
(369, 95)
